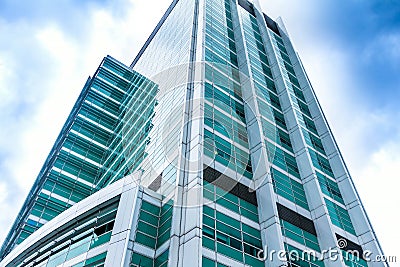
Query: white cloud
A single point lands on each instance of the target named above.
(378, 184)
(45, 68)
(3, 191)
(6, 207)
(6, 75)
(385, 47)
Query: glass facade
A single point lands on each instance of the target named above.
(165, 61)
(328, 185)
(71, 170)
(126, 150)
(171, 152)
(299, 235)
(296, 257)
(284, 169)
(225, 134)
(353, 260)
(153, 230)
(94, 231)
(230, 201)
(154, 224)
(231, 237)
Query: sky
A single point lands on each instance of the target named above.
(350, 50)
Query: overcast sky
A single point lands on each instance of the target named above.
(350, 49)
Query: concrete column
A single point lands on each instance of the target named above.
(187, 211)
(262, 182)
(365, 234)
(318, 212)
(119, 253)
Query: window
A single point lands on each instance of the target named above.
(231, 237)
(289, 188)
(339, 216)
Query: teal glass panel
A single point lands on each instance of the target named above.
(162, 260)
(96, 260)
(321, 163)
(230, 237)
(229, 251)
(72, 243)
(289, 188)
(140, 260)
(282, 159)
(206, 262)
(297, 257)
(339, 216)
(154, 224)
(353, 260)
(329, 187)
(299, 235)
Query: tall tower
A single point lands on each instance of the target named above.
(211, 149)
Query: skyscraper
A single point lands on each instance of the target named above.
(211, 149)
